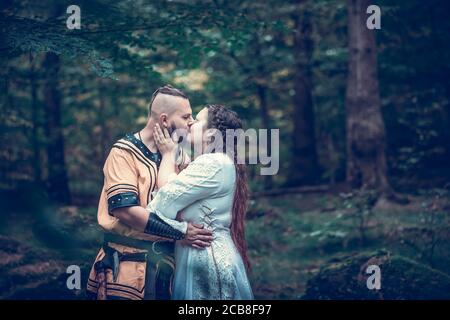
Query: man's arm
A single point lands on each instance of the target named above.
(135, 217)
(142, 220)
(123, 202)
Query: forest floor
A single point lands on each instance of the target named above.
(290, 239)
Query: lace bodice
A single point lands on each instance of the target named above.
(203, 180)
(204, 193)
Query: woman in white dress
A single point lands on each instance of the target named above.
(211, 190)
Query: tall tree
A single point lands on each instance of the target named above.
(34, 116)
(57, 182)
(366, 139)
(304, 164)
(262, 94)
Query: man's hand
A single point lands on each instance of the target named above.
(197, 236)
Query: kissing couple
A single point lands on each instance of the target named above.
(173, 228)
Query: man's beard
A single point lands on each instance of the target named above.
(172, 128)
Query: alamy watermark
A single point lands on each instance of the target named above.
(374, 281)
(374, 21)
(73, 282)
(74, 20)
(251, 146)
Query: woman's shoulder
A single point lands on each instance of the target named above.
(214, 159)
(212, 163)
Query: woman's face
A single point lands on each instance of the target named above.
(198, 128)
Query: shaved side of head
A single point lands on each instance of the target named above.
(164, 103)
(166, 100)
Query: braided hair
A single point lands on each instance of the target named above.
(221, 118)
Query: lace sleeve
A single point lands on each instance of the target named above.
(199, 180)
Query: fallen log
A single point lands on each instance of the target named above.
(284, 191)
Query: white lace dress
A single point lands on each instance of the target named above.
(204, 192)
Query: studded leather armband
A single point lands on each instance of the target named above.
(157, 226)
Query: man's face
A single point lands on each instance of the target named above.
(180, 118)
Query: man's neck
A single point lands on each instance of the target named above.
(147, 136)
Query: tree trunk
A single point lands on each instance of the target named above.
(34, 115)
(102, 124)
(366, 140)
(57, 182)
(304, 165)
(261, 92)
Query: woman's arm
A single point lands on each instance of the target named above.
(203, 178)
(196, 235)
(200, 180)
(167, 170)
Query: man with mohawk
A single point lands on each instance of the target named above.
(136, 260)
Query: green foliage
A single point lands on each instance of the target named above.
(241, 54)
(295, 239)
(238, 53)
(344, 278)
(426, 239)
(23, 35)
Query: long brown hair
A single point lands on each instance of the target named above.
(221, 118)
